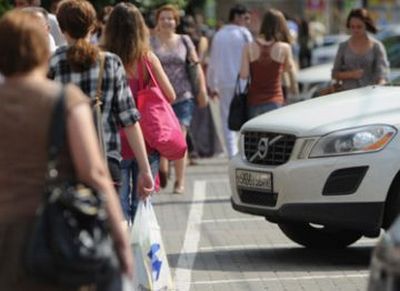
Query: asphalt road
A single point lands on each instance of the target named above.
(212, 247)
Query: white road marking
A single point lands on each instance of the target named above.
(301, 278)
(232, 220)
(218, 180)
(190, 247)
(367, 242)
(245, 247)
(211, 198)
(187, 256)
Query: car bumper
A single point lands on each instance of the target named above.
(364, 217)
(306, 191)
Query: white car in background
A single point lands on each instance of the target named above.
(326, 170)
(327, 51)
(314, 78)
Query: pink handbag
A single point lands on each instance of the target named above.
(160, 126)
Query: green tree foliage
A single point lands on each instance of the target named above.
(4, 6)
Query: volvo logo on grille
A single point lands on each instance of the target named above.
(262, 148)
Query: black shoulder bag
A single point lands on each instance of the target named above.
(70, 243)
(191, 69)
(238, 108)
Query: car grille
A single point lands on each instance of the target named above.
(266, 148)
(258, 198)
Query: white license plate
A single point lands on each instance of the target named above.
(254, 180)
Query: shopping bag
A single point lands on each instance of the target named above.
(128, 284)
(160, 126)
(152, 270)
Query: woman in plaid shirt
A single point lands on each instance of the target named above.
(78, 62)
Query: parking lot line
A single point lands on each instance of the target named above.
(280, 279)
(249, 246)
(366, 242)
(191, 239)
(232, 220)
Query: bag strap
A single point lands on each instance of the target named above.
(97, 106)
(244, 35)
(140, 73)
(187, 48)
(238, 89)
(149, 69)
(188, 59)
(99, 91)
(56, 135)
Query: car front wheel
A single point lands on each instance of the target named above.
(319, 237)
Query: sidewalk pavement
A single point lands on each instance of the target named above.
(212, 247)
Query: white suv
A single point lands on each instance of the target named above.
(326, 170)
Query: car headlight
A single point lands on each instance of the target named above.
(352, 141)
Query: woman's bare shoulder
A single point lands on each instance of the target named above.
(151, 56)
(281, 51)
(282, 46)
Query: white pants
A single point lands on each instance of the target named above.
(231, 140)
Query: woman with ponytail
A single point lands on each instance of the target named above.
(79, 63)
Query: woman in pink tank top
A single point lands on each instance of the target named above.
(127, 36)
(265, 61)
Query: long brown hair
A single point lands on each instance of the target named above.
(274, 27)
(78, 18)
(126, 34)
(24, 43)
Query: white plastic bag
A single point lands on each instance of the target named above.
(152, 270)
(128, 284)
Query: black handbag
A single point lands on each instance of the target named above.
(333, 87)
(70, 243)
(191, 69)
(238, 107)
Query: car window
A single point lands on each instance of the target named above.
(392, 45)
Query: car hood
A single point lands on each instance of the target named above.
(315, 74)
(319, 116)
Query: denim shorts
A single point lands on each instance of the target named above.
(184, 111)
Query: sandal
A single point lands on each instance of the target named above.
(178, 189)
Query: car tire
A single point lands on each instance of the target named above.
(321, 237)
(392, 205)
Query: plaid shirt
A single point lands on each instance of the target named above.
(119, 109)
